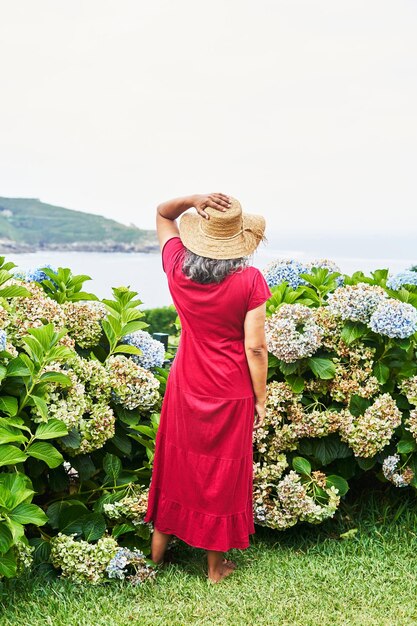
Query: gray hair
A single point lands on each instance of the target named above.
(204, 270)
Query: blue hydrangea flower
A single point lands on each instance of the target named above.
(35, 274)
(116, 567)
(394, 319)
(288, 270)
(153, 351)
(3, 338)
(407, 277)
(123, 557)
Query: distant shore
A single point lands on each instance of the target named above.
(13, 247)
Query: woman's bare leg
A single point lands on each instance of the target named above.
(218, 566)
(159, 545)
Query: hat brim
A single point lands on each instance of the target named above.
(242, 245)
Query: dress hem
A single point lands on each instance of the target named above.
(201, 530)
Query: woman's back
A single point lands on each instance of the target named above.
(211, 357)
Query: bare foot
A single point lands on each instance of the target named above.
(230, 563)
(225, 570)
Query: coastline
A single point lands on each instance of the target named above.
(14, 247)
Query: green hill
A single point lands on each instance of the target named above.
(27, 223)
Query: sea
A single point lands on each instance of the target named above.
(143, 272)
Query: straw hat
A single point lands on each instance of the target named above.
(228, 234)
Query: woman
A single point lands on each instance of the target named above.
(201, 486)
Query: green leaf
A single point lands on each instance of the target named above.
(4, 274)
(16, 421)
(16, 367)
(408, 370)
(6, 538)
(14, 291)
(329, 449)
(71, 519)
(404, 446)
(146, 430)
(9, 405)
(112, 465)
(44, 335)
(72, 440)
(301, 465)
(18, 487)
(55, 509)
(130, 417)
(18, 530)
(122, 443)
(115, 325)
(143, 531)
(10, 455)
(56, 377)
(51, 430)
(358, 405)
(366, 463)
(45, 452)
(28, 363)
(380, 275)
(11, 434)
(273, 361)
(337, 481)
(322, 368)
(42, 550)
(296, 383)
(8, 565)
(60, 353)
(34, 349)
(82, 295)
(126, 478)
(26, 513)
(287, 368)
(404, 343)
(381, 372)
(108, 330)
(132, 327)
(149, 445)
(84, 466)
(122, 529)
(41, 406)
(125, 348)
(93, 526)
(352, 331)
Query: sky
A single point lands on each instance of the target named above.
(304, 111)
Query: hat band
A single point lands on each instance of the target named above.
(220, 238)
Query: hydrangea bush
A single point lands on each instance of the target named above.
(342, 389)
(78, 418)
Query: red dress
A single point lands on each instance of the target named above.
(202, 479)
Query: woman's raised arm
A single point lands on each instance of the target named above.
(167, 212)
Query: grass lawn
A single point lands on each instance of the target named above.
(304, 576)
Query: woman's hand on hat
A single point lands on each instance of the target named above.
(218, 201)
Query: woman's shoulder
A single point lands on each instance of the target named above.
(171, 251)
